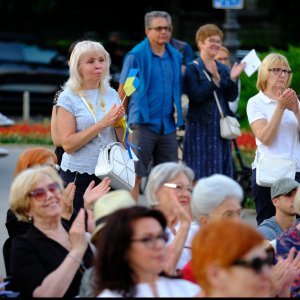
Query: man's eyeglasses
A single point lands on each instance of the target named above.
(256, 263)
(151, 241)
(279, 71)
(41, 193)
(179, 187)
(161, 28)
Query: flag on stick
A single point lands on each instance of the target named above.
(132, 82)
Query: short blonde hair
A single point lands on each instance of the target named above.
(269, 62)
(81, 48)
(206, 31)
(23, 184)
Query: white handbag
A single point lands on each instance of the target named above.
(229, 128)
(114, 162)
(270, 168)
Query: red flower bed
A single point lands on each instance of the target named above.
(37, 133)
(246, 141)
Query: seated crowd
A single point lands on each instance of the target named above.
(189, 241)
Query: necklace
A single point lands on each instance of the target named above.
(101, 104)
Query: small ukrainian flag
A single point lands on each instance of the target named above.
(132, 82)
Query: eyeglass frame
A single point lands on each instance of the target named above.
(53, 187)
(213, 41)
(161, 28)
(151, 241)
(178, 187)
(285, 71)
(256, 263)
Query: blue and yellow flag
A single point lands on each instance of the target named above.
(132, 82)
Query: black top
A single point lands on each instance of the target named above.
(59, 151)
(34, 256)
(15, 227)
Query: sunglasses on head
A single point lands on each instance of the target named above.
(41, 193)
(257, 263)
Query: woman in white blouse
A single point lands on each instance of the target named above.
(87, 110)
(274, 118)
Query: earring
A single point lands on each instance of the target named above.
(30, 218)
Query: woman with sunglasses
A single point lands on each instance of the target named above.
(229, 260)
(131, 255)
(39, 156)
(274, 117)
(49, 259)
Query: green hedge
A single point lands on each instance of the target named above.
(248, 88)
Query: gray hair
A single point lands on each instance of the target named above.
(156, 14)
(161, 174)
(81, 48)
(210, 192)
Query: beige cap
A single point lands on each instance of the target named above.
(108, 204)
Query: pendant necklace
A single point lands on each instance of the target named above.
(102, 103)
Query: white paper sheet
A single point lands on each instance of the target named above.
(252, 62)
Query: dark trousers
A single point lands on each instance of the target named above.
(82, 181)
(262, 199)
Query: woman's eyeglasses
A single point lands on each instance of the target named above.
(279, 71)
(179, 187)
(213, 41)
(256, 263)
(151, 241)
(41, 193)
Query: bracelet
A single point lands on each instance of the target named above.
(78, 260)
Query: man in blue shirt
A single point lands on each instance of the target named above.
(151, 107)
(283, 193)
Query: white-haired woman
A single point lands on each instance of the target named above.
(87, 110)
(214, 197)
(169, 189)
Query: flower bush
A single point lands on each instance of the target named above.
(27, 133)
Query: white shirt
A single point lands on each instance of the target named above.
(286, 142)
(85, 159)
(166, 287)
(186, 252)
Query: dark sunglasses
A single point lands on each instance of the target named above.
(41, 193)
(256, 263)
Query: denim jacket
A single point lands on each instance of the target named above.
(200, 91)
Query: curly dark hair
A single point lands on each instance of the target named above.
(112, 268)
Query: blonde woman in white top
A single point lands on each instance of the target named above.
(274, 118)
(87, 110)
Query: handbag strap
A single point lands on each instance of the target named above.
(214, 92)
(91, 109)
(215, 95)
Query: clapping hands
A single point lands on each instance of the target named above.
(288, 100)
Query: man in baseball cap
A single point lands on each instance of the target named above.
(282, 193)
